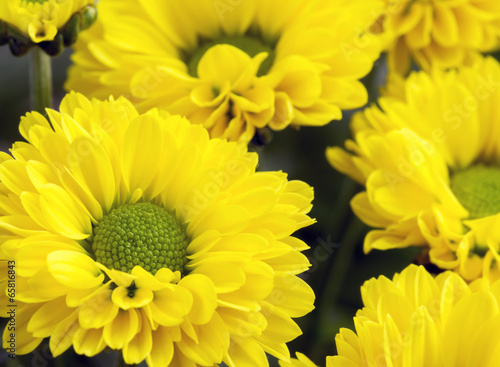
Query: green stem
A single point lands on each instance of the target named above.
(341, 209)
(335, 280)
(40, 80)
(340, 265)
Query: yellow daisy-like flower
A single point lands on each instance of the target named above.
(430, 159)
(442, 33)
(417, 320)
(48, 23)
(139, 233)
(232, 66)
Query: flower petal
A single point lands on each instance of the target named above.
(74, 269)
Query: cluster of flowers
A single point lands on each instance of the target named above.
(138, 221)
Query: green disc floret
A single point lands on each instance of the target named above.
(140, 234)
(477, 188)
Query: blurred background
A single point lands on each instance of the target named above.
(338, 265)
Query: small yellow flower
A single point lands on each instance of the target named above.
(138, 233)
(443, 33)
(429, 155)
(48, 23)
(232, 66)
(417, 320)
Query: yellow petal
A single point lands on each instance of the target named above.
(213, 341)
(445, 27)
(422, 342)
(348, 348)
(62, 337)
(302, 85)
(226, 276)
(35, 252)
(464, 324)
(170, 306)
(74, 269)
(94, 170)
(136, 298)
(88, 342)
(45, 320)
(42, 285)
(292, 295)
(204, 297)
(209, 66)
(139, 347)
(245, 353)
(143, 153)
(98, 310)
(64, 214)
(24, 342)
(162, 350)
(14, 176)
(280, 327)
(122, 329)
(228, 219)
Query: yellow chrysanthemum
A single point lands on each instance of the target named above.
(421, 321)
(232, 66)
(139, 233)
(48, 23)
(442, 33)
(430, 159)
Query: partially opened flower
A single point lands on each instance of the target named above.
(430, 159)
(233, 67)
(50, 24)
(421, 321)
(436, 32)
(138, 233)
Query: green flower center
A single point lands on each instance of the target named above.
(250, 45)
(477, 188)
(140, 234)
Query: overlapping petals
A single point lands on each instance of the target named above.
(47, 23)
(421, 321)
(232, 302)
(408, 151)
(233, 68)
(438, 33)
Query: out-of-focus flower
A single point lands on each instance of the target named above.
(417, 320)
(139, 233)
(429, 156)
(50, 24)
(436, 32)
(233, 67)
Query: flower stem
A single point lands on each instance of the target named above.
(328, 298)
(40, 80)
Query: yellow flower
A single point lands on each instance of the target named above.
(417, 320)
(232, 66)
(48, 23)
(430, 159)
(443, 33)
(138, 233)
